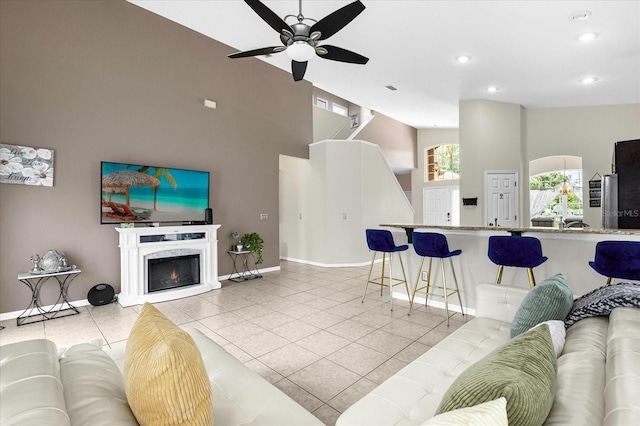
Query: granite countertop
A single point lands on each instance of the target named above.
(540, 229)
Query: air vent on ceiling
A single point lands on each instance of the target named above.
(580, 15)
(390, 87)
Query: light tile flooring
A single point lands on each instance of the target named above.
(303, 328)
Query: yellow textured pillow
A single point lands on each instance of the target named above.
(165, 379)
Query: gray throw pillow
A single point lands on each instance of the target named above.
(552, 299)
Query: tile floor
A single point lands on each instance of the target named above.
(303, 328)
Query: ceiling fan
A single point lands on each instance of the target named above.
(300, 40)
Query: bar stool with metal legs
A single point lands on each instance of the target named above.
(617, 259)
(434, 245)
(516, 251)
(381, 241)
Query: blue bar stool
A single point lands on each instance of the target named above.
(517, 251)
(381, 241)
(431, 244)
(617, 259)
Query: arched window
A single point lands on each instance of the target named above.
(555, 188)
(442, 163)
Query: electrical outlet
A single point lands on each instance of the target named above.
(344, 216)
(424, 275)
(264, 216)
(300, 215)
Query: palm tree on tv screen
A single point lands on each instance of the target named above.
(158, 173)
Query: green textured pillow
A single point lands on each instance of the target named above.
(552, 299)
(524, 371)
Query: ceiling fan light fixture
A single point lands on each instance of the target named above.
(300, 51)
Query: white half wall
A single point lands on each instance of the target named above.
(328, 201)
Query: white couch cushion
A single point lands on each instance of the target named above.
(622, 389)
(412, 395)
(499, 302)
(93, 388)
(242, 397)
(581, 375)
(31, 390)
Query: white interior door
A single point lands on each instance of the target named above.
(437, 206)
(501, 195)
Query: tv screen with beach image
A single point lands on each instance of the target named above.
(139, 193)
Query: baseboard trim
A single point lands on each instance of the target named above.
(328, 265)
(84, 302)
(418, 300)
(16, 314)
(261, 271)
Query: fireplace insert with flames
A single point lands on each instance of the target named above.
(173, 272)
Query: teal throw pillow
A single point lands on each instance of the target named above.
(524, 371)
(552, 299)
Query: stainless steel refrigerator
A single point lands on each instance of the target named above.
(609, 204)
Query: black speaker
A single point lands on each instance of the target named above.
(208, 216)
(101, 294)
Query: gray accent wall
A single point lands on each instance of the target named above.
(107, 80)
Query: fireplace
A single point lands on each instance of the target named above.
(148, 257)
(173, 272)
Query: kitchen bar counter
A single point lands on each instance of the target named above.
(409, 227)
(569, 252)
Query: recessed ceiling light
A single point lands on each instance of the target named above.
(588, 80)
(580, 15)
(463, 59)
(492, 89)
(587, 36)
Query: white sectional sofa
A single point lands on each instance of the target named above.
(598, 375)
(84, 386)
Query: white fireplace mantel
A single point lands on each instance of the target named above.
(136, 244)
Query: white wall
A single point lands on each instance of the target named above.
(501, 136)
(344, 188)
(490, 139)
(330, 125)
(587, 132)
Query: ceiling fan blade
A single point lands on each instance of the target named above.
(268, 16)
(298, 69)
(334, 22)
(256, 52)
(335, 53)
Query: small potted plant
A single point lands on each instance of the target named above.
(253, 242)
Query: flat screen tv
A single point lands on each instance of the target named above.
(139, 193)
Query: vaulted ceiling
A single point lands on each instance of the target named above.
(530, 51)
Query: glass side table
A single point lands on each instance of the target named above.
(61, 308)
(245, 273)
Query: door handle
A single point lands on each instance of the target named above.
(448, 217)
